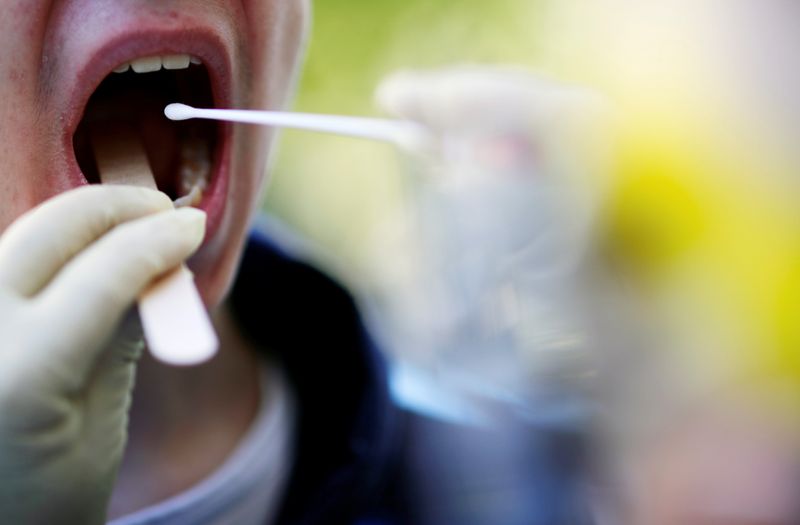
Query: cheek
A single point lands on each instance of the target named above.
(10, 192)
(27, 148)
(277, 32)
(25, 163)
(29, 160)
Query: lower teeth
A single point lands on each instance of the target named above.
(193, 198)
(195, 167)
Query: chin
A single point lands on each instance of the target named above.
(119, 63)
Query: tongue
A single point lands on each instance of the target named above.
(121, 157)
(142, 111)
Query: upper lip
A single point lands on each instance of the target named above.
(99, 63)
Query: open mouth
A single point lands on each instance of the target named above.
(182, 155)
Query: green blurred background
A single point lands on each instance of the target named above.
(336, 190)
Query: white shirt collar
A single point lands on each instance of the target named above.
(248, 487)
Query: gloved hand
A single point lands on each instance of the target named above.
(504, 212)
(508, 135)
(70, 269)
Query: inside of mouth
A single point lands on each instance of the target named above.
(180, 153)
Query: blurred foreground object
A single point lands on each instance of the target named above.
(481, 288)
(479, 298)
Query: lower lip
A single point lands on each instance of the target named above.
(215, 195)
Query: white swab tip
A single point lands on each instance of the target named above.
(178, 111)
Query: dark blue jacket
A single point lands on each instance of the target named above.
(360, 458)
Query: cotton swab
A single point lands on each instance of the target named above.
(175, 322)
(407, 135)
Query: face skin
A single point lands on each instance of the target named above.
(54, 53)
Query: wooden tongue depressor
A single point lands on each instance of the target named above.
(176, 325)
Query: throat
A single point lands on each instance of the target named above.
(185, 422)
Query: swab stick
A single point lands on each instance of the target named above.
(408, 135)
(175, 322)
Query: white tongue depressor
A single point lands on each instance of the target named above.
(176, 324)
(407, 135)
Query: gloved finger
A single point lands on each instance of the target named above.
(39, 243)
(86, 301)
(111, 381)
(473, 97)
(128, 340)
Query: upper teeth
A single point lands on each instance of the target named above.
(155, 63)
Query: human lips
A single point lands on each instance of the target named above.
(133, 38)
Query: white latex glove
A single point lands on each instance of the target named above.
(503, 214)
(70, 269)
(463, 96)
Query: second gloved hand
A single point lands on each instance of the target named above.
(69, 271)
